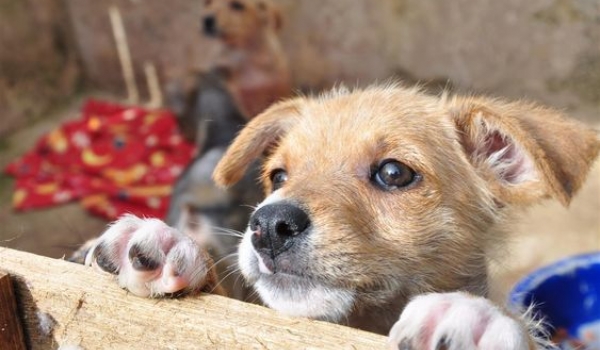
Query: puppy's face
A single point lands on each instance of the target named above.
(378, 195)
(376, 187)
(239, 22)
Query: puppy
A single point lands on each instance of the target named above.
(383, 208)
(251, 56)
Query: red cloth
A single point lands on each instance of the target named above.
(115, 159)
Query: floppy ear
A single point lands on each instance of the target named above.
(524, 151)
(271, 16)
(261, 132)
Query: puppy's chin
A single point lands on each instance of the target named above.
(294, 295)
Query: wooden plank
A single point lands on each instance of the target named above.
(68, 304)
(11, 333)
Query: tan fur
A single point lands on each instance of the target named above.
(435, 235)
(562, 148)
(251, 55)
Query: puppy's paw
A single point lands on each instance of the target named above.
(456, 321)
(150, 258)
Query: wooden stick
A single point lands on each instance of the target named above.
(118, 29)
(154, 90)
(68, 304)
(11, 333)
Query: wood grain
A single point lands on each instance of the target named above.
(11, 333)
(68, 304)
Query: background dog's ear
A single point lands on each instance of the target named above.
(258, 135)
(270, 15)
(277, 18)
(524, 151)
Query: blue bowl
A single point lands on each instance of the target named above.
(566, 294)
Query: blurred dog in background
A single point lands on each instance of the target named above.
(251, 57)
(249, 73)
(250, 62)
(200, 209)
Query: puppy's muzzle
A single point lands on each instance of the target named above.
(209, 25)
(277, 226)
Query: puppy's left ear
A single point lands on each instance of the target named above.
(525, 152)
(261, 133)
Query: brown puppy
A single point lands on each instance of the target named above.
(251, 57)
(381, 203)
(378, 196)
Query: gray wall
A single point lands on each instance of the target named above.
(545, 50)
(38, 60)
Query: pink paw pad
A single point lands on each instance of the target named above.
(149, 258)
(446, 321)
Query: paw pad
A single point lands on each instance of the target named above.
(150, 258)
(449, 321)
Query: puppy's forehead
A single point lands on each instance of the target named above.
(394, 123)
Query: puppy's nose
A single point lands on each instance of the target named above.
(276, 226)
(209, 25)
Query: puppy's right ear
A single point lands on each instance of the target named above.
(525, 152)
(259, 134)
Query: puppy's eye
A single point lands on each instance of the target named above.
(392, 174)
(278, 178)
(237, 6)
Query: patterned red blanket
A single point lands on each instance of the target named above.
(114, 159)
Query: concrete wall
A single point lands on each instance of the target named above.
(546, 50)
(541, 49)
(166, 33)
(38, 61)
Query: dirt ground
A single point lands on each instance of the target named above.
(546, 233)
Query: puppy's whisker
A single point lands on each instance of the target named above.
(230, 273)
(225, 229)
(12, 238)
(233, 267)
(254, 297)
(228, 256)
(237, 279)
(222, 280)
(199, 275)
(253, 207)
(226, 232)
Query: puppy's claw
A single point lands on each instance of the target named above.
(142, 261)
(100, 257)
(443, 344)
(405, 344)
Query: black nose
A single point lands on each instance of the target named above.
(276, 226)
(209, 25)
